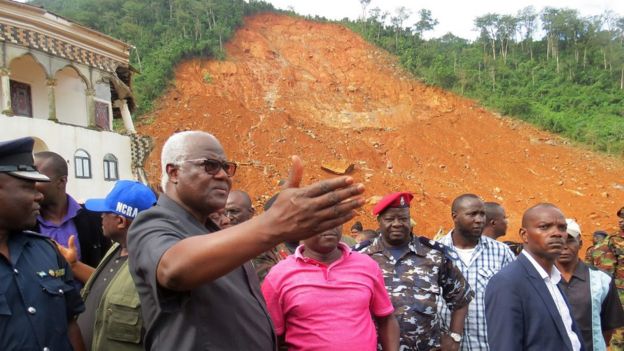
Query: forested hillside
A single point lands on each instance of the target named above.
(162, 31)
(555, 68)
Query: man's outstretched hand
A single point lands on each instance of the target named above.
(300, 212)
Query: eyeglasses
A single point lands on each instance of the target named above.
(212, 166)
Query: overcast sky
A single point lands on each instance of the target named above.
(454, 16)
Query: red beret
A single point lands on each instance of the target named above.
(400, 199)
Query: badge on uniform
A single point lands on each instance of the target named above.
(57, 273)
(41, 274)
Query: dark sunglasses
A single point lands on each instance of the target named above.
(212, 166)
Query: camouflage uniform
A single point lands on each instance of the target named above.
(589, 254)
(266, 260)
(414, 283)
(608, 256)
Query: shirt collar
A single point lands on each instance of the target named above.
(346, 250)
(555, 275)
(414, 246)
(448, 240)
(73, 207)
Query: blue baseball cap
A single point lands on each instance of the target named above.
(127, 199)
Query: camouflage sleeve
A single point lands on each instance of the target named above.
(588, 255)
(264, 262)
(604, 258)
(455, 289)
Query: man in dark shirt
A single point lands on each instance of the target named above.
(38, 300)
(592, 294)
(197, 287)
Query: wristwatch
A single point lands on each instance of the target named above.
(455, 336)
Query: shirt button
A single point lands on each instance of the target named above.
(15, 271)
(46, 349)
(31, 310)
(61, 291)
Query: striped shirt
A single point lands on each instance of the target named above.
(488, 258)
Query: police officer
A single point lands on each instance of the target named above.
(38, 300)
(417, 272)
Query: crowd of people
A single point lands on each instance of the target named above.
(196, 268)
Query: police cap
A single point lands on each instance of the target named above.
(399, 199)
(16, 159)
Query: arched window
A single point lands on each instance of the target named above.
(82, 161)
(110, 167)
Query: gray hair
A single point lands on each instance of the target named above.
(174, 151)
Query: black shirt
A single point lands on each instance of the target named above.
(226, 314)
(578, 292)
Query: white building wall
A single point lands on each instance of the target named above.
(65, 140)
(71, 99)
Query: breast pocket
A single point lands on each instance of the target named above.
(55, 288)
(483, 277)
(123, 319)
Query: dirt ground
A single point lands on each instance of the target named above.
(292, 86)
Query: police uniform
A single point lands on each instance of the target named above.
(37, 293)
(415, 281)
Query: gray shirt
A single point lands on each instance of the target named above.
(228, 313)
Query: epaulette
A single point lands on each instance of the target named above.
(51, 242)
(448, 253)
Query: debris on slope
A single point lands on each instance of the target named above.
(292, 86)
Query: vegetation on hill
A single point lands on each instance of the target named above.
(568, 81)
(162, 31)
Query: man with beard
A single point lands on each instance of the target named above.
(478, 257)
(609, 257)
(417, 272)
(592, 293)
(524, 308)
(327, 297)
(38, 298)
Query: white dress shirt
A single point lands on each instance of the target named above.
(551, 284)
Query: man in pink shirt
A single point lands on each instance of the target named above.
(327, 297)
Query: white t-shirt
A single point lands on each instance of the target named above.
(465, 254)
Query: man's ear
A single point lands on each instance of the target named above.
(62, 181)
(123, 222)
(524, 235)
(119, 221)
(252, 210)
(172, 172)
